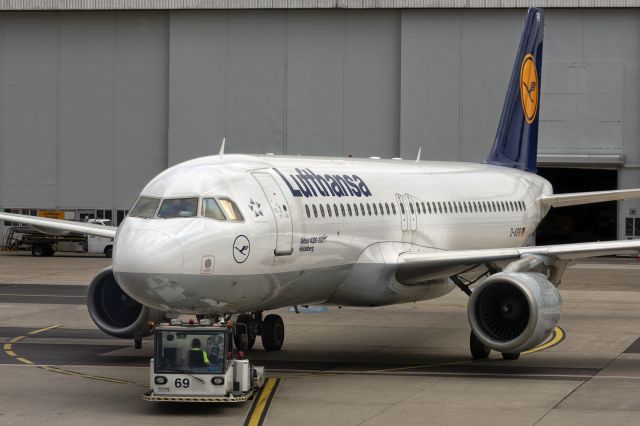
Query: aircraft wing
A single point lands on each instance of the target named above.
(63, 225)
(574, 199)
(415, 267)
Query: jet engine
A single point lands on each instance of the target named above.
(512, 312)
(114, 312)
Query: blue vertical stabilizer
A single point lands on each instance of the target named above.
(516, 143)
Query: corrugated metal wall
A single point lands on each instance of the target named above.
(92, 104)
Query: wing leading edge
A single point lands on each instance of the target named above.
(63, 225)
(414, 267)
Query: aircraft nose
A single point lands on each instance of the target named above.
(147, 251)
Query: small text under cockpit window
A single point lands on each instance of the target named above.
(145, 207)
(178, 207)
(210, 208)
(230, 210)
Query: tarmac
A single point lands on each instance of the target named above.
(404, 364)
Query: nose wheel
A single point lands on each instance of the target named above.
(271, 330)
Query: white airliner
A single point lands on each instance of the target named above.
(243, 234)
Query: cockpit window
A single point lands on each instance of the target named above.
(230, 210)
(178, 207)
(210, 208)
(145, 207)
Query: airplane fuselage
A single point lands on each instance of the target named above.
(316, 230)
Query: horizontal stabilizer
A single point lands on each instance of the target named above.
(564, 200)
(62, 225)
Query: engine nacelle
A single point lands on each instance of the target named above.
(114, 312)
(514, 311)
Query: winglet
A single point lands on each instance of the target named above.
(419, 151)
(222, 148)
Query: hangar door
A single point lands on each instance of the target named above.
(281, 212)
(579, 224)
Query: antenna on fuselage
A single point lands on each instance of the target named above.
(419, 151)
(222, 148)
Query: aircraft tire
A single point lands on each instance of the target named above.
(510, 355)
(251, 337)
(272, 333)
(108, 251)
(478, 349)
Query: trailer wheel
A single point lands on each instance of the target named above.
(39, 250)
(108, 251)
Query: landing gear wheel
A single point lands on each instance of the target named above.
(510, 355)
(242, 321)
(478, 349)
(272, 333)
(108, 251)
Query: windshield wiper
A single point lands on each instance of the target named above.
(169, 370)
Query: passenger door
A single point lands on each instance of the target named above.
(281, 213)
(403, 213)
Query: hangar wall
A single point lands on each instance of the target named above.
(93, 104)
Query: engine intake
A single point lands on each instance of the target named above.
(514, 311)
(114, 312)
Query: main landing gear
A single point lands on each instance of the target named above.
(271, 329)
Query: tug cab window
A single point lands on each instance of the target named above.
(178, 207)
(145, 207)
(211, 208)
(231, 211)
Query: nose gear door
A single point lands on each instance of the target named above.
(281, 213)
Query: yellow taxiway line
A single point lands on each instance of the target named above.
(260, 408)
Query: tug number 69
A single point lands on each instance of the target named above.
(182, 383)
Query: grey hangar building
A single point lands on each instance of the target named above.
(97, 97)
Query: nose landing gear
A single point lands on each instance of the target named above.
(271, 329)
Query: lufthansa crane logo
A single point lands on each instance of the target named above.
(241, 248)
(529, 88)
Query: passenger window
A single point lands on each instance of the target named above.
(428, 207)
(321, 210)
(439, 207)
(329, 210)
(455, 207)
(424, 210)
(306, 208)
(475, 207)
(230, 209)
(342, 210)
(375, 209)
(369, 209)
(335, 210)
(402, 210)
(315, 210)
(418, 207)
(393, 208)
(465, 207)
(411, 208)
(381, 209)
(349, 209)
(210, 208)
(386, 205)
(362, 209)
(355, 209)
(450, 207)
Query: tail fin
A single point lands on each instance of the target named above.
(516, 143)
